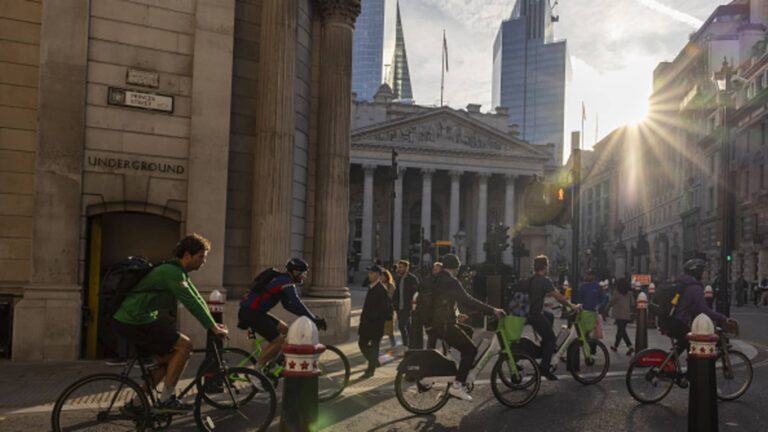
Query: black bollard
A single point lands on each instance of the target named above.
(641, 330)
(702, 396)
(300, 399)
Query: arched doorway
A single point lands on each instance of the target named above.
(111, 237)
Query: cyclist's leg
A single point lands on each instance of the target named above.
(177, 361)
(456, 338)
(542, 326)
(273, 330)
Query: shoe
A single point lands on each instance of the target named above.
(458, 391)
(132, 411)
(367, 374)
(550, 376)
(175, 406)
(613, 348)
(630, 351)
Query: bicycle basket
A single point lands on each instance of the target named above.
(587, 320)
(511, 327)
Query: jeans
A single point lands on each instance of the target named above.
(456, 338)
(543, 327)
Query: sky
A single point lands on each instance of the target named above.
(614, 46)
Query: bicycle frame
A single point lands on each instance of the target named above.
(575, 332)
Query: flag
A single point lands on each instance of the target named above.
(583, 111)
(445, 51)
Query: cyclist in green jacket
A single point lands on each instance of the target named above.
(138, 322)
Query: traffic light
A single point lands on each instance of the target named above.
(729, 257)
(547, 204)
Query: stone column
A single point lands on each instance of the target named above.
(273, 151)
(333, 152)
(509, 214)
(397, 223)
(47, 321)
(482, 215)
(365, 259)
(426, 203)
(455, 197)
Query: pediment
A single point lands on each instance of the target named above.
(446, 130)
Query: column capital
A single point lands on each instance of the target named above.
(341, 11)
(510, 177)
(484, 175)
(455, 173)
(369, 167)
(427, 171)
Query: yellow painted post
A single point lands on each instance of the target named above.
(94, 279)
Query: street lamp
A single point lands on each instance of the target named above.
(459, 239)
(723, 81)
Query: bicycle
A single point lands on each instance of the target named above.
(111, 401)
(652, 372)
(423, 377)
(586, 358)
(332, 363)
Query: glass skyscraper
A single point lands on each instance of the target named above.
(530, 71)
(368, 49)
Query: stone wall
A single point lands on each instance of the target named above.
(19, 71)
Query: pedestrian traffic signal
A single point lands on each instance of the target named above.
(729, 257)
(547, 204)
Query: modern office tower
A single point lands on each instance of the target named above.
(530, 72)
(399, 78)
(367, 49)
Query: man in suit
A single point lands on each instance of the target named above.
(406, 288)
(377, 309)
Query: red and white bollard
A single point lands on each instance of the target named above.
(709, 295)
(216, 301)
(641, 330)
(702, 397)
(300, 400)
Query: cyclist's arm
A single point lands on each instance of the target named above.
(561, 298)
(700, 306)
(461, 297)
(293, 304)
(188, 295)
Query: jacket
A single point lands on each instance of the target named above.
(406, 285)
(449, 294)
(692, 302)
(621, 305)
(160, 289)
(377, 310)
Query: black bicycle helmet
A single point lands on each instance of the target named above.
(297, 264)
(694, 267)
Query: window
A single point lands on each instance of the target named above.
(764, 80)
(762, 176)
(746, 183)
(751, 90)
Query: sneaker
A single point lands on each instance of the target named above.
(459, 391)
(630, 351)
(613, 348)
(367, 374)
(550, 376)
(174, 405)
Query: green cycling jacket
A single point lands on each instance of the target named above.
(159, 290)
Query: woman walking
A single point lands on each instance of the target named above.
(621, 306)
(389, 326)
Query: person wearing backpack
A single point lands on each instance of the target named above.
(690, 304)
(137, 318)
(280, 288)
(448, 294)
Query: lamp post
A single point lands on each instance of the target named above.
(459, 240)
(723, 81)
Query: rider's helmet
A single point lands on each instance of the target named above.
(296, 264)
(694, 267)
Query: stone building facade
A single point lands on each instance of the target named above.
(460, 172)
(125, 124)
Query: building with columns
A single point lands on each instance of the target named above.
(125, 124)
(460, 171)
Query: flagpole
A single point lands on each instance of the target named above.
(442, 69)
(596, 123)
(583, 117)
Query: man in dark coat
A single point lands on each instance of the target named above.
(406, 288)
(377, 309)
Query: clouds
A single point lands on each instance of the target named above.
(614, 44)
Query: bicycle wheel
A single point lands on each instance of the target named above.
(647, 383)
(733, 377)
(247, 402)
(589, 369)
(334, 373)
(420, 396)
(104, 402)
(519, 388)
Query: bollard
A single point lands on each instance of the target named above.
(641, 330)
(709, 295)
(702, 396)
(300, 400)
(216, 303)
(651, 320)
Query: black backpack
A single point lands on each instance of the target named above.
(263, 279)
(665, 302)
(120, 280)
(425, 301)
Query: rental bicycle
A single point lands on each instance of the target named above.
(243, 400)
(423, 377)
(333, 366)
(652, 372)
(586, 358)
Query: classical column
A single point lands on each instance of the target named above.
(273, 153)
(509, 213)
(365, 259)
(333, 148)
(426, 203)
(455, 197)
(482, 215)
(397, 223)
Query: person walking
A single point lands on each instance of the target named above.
(389, 325)
(377, 309)
(741, 289)
(621, 311)
(407, 284)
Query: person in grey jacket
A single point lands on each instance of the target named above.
(621, 309)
